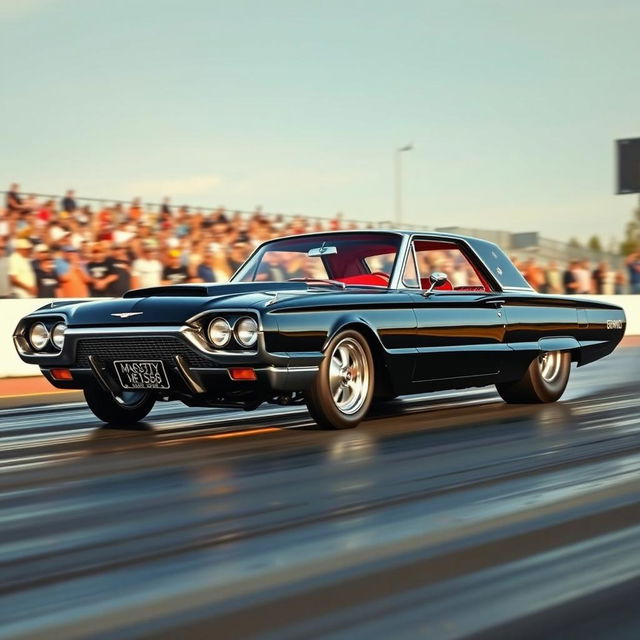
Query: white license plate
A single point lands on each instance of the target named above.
(141, 374)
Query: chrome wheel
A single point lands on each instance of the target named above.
(550, 364)
(349, 376)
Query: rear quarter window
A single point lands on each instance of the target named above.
(499, 264)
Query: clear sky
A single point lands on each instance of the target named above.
(298, 105)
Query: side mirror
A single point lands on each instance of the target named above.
(436, 279)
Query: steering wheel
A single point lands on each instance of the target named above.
(381, 274)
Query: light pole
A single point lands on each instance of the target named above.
(398, 181)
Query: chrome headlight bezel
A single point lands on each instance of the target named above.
(246, 331)
(219, 332)
(57, 335)
(38, 343)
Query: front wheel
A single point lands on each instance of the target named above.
(341, 394)
(121, 411)
(544, 381)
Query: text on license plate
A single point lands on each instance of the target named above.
(141, 374)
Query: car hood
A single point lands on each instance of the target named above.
(173, 305)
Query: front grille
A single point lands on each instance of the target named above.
(137, 348)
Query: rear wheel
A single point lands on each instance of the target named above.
(119, 411)
(342, 391)
(544, 381)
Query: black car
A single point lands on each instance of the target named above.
(338, 320)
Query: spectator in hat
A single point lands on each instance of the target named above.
(41, 252)
(175, 272)
(21, 273)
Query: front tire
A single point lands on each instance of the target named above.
(341, 394)
(544, 381)
(124, 411)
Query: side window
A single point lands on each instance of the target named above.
(446, 257)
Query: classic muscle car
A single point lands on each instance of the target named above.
(338, 320)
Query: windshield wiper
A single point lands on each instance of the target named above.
(320, 281)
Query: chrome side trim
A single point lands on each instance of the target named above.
(134, 332)
(311, 369)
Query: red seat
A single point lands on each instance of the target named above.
(366, 278)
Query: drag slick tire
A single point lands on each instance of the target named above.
(544, 381)
(342, 392)
(122, 411)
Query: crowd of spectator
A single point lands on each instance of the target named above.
(580, 277)
(61, 249)
(51, 248)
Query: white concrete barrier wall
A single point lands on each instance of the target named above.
(12, 310)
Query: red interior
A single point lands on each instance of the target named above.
(374, 279)
(437, 245)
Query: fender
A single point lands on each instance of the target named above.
(352, 320)
(393, 371)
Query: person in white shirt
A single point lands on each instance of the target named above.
(21, 273)
(147, 270)
(583, 277)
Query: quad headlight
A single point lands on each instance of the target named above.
(246, 331)
(38, 336)
(219, 332)
(57, 335)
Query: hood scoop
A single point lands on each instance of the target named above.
(207, 290)
(180, 290)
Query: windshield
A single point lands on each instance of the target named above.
(351, 258)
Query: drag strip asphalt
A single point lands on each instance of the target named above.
(446, 515)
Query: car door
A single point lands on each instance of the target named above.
(460, 330)
(458, 335)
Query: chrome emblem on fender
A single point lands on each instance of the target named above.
(127, 314)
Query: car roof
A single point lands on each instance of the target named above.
(399, 232)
